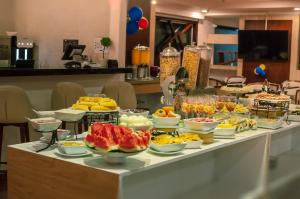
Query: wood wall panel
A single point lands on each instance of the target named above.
(277, 71)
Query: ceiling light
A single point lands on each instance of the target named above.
(297, 9)
(154, 2)
(204, 11)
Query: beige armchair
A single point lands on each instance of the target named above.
(64, 95)
(291, 87)
(122, 92)
(14, 108)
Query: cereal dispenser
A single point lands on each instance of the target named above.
(169, 62)
(191, 60)
(203, 71)
(196, 60)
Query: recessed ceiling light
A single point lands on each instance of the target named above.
(154, 2)
(297, 9)
(204, 11)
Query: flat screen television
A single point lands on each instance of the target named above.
(255, 45)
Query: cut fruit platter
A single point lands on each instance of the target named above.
(115, 143)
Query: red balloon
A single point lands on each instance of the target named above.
(143, 23)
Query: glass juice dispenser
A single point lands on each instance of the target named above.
(141, 60)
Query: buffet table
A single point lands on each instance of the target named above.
(228, 168)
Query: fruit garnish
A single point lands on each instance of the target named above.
(171, 114)
(160, 113)
(168, 108)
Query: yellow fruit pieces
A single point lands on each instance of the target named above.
(167, 111)
(95, 104)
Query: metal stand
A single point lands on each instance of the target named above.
(109, 117)
(53, 140)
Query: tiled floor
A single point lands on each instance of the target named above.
(3, 186)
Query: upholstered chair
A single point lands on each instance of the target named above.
(122, 92)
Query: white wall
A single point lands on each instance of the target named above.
(49, 22)
(6, 16)
(205, 28)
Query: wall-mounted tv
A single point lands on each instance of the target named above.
(257, 45)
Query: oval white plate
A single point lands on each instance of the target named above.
(164, 153)
(73, 155)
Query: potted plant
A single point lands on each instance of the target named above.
(105, 42)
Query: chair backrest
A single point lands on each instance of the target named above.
(291, 86)
(14, 105)
(257, 86)
(122, 92)
(297, 97)
(65, 94)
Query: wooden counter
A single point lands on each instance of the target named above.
(6, 72)
(146, 86)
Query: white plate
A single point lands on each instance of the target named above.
(73, 155)
(47, 139)
(164, 153)
(114, 157)
(224, 136)
(187, 130)
(167, 147)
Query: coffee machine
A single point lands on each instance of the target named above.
(22, 52)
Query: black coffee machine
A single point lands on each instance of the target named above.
(22, 52)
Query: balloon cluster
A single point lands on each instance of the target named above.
(136, 20)
(260, 70)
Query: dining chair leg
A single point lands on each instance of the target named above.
(1, 139)
(63, 125)
(79, 125)
(85, 123)
(27, 137)
(22, 132)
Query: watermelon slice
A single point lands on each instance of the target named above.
(116, 134)
(97, 128)
(90, 141)
(102, 144)
(129, 143)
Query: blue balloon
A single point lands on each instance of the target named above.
(132, 27)
(260, 71)
(135, 13)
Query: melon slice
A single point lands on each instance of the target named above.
(102, 144)
(129, 143)
(90, 141)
